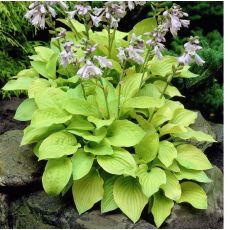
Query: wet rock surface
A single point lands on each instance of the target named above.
(18, 165)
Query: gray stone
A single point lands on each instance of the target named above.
(185, 216)
(38, 210)
(4, 211)
(202, 125)
(18, 165)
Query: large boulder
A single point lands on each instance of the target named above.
(38, 210)
(18, 165)
(185, 216)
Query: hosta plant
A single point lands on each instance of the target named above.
(103, 112)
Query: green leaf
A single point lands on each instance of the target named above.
(44, 52)
(161, 208)
(186, 73)
(48, 117)
(37, 86)
(192, 193)
(120, 162)
(40, 67)
(171, 91)
(124, 133)
(102, 148)
(51, 66)
(57, 145)
(56, 175)
(167, 153)
(171, 129)
(99, 122)
(150, 179)
(184, 117)
(190, 174)
(107, 203)
(21, 83)
(79, 107)
(172, 187)
(147, 149)
(25, 110)
(80, 123)
(150, 90)
(192, 158)
(82, 163)
(87, 191)
(143, 102)
(129, 197)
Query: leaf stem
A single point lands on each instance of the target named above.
(106, 98)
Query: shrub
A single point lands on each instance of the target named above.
(103, 112)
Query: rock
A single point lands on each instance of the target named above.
(4, 211)
(18, 165)
(38, 210)
(219, 131)
(185, 216)
(202, 125)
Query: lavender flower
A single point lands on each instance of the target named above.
(89, 70)
(61, 34)
(103, 62)
(67, 55)
(191, 49)
(131, 4)
(38, 11)
(121, 54)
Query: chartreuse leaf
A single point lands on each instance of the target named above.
(167, 153)
(190, 174)
(193, 134)
(192, 193)
(102, 148)
(147, 149)
(192, 158)
(87, 191)
(44, 52)
(124, 133)
(184, 117)
(150, 179)
(56, 175)
(172, 129)
(99, 122)
(161, 208)
(79, 106)
(51, 66)
(129, 197)
(32, 135)
(171, 91)
(186, 73)
(37, 86)
(120, 162)
(25, 110)
(150, 90)
(107, 203)
(172, 187)
(143, 102)
(21, 83)
(79, 122)
(47, 117)
(82, 163)
(57, 145)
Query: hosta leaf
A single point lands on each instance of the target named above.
(192, 158)
(21, 83)
(102, 148)
(192, 193)
(172, 129)
(37, 86)
(44, 52)
(25, 110)
(48, 117)
(150, 179)
(143, 102)
(32, 135)
(167, 153)
(190, 174)
(124, 133)
(150, 90)
(51, 66)
(56, 175)
(186, 73)
(184, 117)
(171, 91)
(82, 163)
(80, 123)
(172, 187)
(57, 145)
(120, 162)
(87, 191)
(99, 122)
(107, 203)
(147, 149)
(79, 106)
(129, 197)
(161, 208)
(40, 67)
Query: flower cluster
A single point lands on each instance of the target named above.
(191, 48)
(132, 4)
(134, 51)
(67, 55)
(39, 11)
